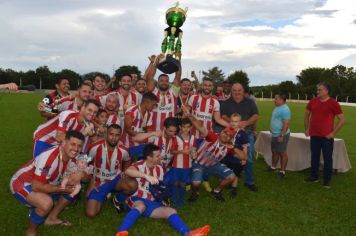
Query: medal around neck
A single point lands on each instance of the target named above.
(172, 41)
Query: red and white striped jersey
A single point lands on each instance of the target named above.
(167, 107)
(143, 184)
(166, 144)
(113, 119)
(203, 109)
(211, 151)
(65, 121)
(107, 165)
(96, 94)
(101, 99)
(125, 102)
(221, 96)
(68, 103)
(47, 168)
(179, 144)
(139, 123)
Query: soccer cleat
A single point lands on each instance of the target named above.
(118, 205)
(217, 195)
(202, 231)
(122, 233)
(311, 179)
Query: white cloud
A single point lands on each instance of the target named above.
(271, 40)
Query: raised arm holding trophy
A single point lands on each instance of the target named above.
(172, 42)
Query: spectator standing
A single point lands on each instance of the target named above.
(247, 108)
(319, 125)
(279, 126)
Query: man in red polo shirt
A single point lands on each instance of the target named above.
(319, 125)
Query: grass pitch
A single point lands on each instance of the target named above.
(280, 207)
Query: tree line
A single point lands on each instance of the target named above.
(342, 80)
(44, 78)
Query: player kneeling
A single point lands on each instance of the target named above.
(38, 183)
(142, 202)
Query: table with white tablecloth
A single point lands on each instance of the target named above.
(298, 151)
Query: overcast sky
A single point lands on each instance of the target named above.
(271, 40)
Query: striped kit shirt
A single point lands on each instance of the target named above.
(211, 151)
(203, 109)
(166, 107)
(47, 168)
(179, 144)
(143, 184)
(107, 165)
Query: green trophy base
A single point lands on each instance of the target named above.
(169, 65)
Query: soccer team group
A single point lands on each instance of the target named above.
(145, 143)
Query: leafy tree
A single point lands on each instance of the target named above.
(43, 73)
(310, 77)
(8, 75)
(287, 87)
(30, 77)
(266, 90)
(239, 76)
(215, 74)
(342, 81)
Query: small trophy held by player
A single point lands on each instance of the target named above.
(172, 42)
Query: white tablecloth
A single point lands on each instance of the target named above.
(298, 151)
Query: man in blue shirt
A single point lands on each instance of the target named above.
(281, 116)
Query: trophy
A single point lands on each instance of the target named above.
(172, 42)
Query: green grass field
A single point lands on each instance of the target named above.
(280, 207)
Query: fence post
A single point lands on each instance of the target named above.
(298, 96)
(289, 96)
(262, 95)
(40, 82)
(347, 99)
(271, 94)
(306, 97)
